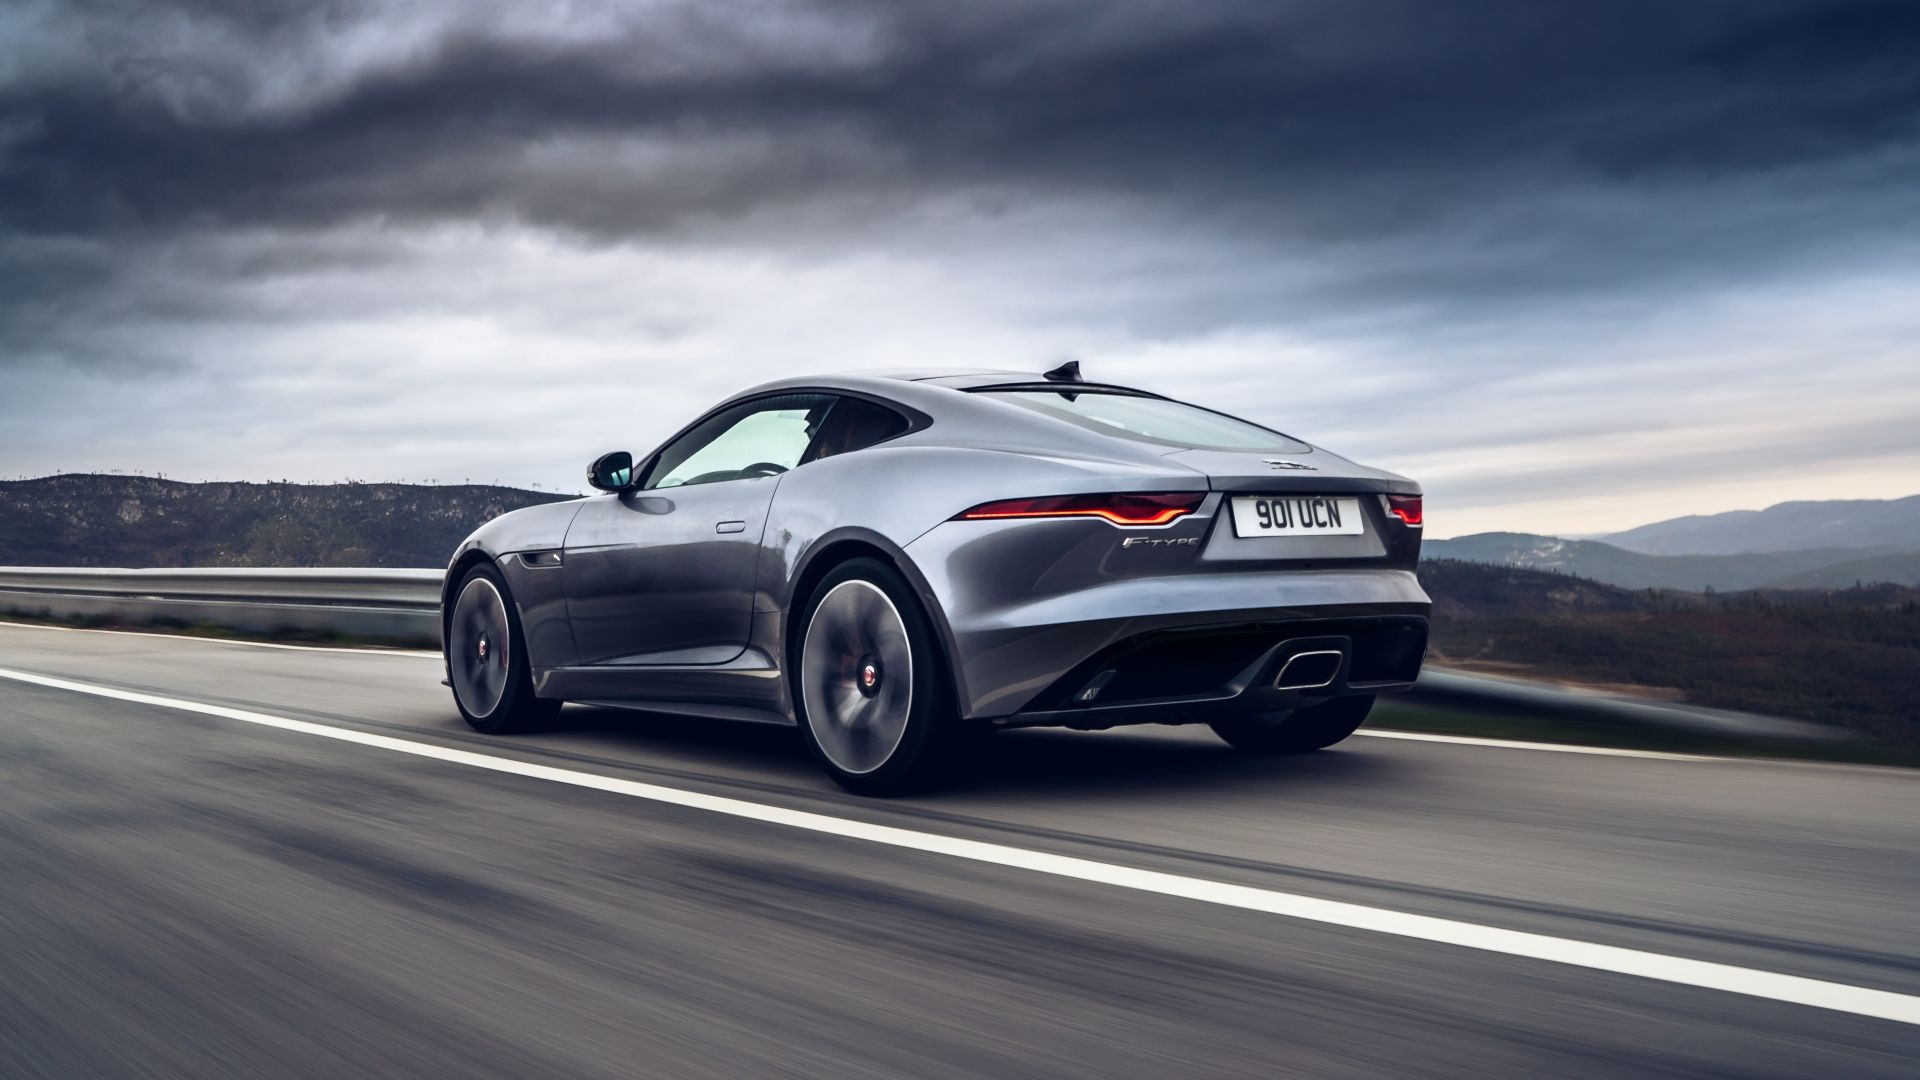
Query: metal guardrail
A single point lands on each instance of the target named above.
(402, 607)
(1592, 709)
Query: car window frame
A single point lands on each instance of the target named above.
(905, 416)
(648, 482)
(916, 421)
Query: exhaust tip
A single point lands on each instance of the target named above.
(1309, 670)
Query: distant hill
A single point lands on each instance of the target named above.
(1902, 567)
(1468, 590)
(136, 521)
(1825, 568)
(1788, 526)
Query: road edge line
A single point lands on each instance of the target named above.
(1703, 974)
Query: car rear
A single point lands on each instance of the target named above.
(1260, 578)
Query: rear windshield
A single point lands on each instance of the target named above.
(1149, 419)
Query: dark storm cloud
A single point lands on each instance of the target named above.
(356, 237)
(1322, 120)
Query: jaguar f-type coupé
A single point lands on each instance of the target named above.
(900, 563)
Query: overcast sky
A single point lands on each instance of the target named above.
(1574, 266)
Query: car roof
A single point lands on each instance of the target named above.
(906, 386)
(964, 419)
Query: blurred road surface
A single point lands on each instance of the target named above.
(185, 895)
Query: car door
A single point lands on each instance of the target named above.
(664, 573)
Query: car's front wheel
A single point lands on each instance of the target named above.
(487, 660)
(874, 701)
(1296, 732)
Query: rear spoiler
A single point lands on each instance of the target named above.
(1064, 388)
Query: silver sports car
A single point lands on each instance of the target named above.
(900, 563)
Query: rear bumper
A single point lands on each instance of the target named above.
(1189, 675)
(1023, 621)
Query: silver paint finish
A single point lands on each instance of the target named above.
(1251, 471)
(1028, 600)
(655, 604)
(652, 572)
(538, 592)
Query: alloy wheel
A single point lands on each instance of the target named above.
(856, 676)
(480, 647)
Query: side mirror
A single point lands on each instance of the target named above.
(612, 472)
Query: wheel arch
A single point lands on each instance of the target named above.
(839, 547)
(463, 564)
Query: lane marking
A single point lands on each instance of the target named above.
(1748, 982)
(352, 649)
(1515, 744)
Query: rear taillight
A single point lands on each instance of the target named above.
(1125, 509)
(1406, 508)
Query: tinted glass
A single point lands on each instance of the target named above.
(755, 438)
(1150, 419)
(855, 424)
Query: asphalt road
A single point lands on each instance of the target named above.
(191, 895)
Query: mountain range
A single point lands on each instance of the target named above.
(1788, 526)
(1795, 545)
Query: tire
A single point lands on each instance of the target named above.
(492, 686)
(870, 684)
(1297, 732)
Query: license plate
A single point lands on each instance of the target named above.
(1296, 515)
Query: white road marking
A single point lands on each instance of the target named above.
(1750, 982)
(224, 641)
(1514, 744)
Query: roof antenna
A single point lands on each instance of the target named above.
(1067, 372)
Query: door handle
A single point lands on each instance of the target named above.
(731, 527)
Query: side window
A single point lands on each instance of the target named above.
(756, 438)
(855, 424)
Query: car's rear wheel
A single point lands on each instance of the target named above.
(1296, 732)
(875, 704)
(487, 659)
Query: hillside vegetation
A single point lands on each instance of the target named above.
(1847, 657)
(136, 521)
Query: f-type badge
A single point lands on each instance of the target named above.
(1160, 541)
(1280, 465)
